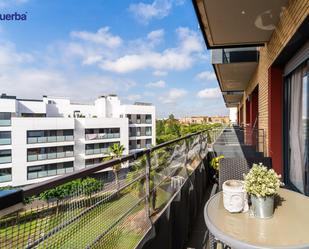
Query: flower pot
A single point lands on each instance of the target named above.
(234, 196)
(263, 207)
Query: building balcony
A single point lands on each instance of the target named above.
(5, 159)
(4, 122)
(5, 141)
(49, 156)
(234, 55)
(97, 151)
(49, 139)
(102, 136)
(48, 170)
(5, 175)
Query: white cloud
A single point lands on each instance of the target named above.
(133, 97)
(20, 76)
(159, 73)
(145, 12)
(10, 57)
(156, 35)
(206, 75)
(173, 95)
(180, 57)
(33, 83)
(147, 43)
(157, 84)
(209, 93)
(102, 36)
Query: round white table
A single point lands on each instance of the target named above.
(287, 229)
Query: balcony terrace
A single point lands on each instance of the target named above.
(159, 200)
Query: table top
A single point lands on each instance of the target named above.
(288, 228)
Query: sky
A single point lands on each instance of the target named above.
(147, 51)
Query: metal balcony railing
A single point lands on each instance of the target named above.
(5, 141)
(48, 156)
(102, 136)
(5, 122)
(97, 151)
(5, 159)
(49, 139)
(112, 213)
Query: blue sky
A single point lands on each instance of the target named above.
(149, 51)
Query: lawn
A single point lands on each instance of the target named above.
(84, 230)
(121, 229)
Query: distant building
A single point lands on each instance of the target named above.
(40, 139)
(233, 115)
(194, 120)
(219, 119)
(205, 119)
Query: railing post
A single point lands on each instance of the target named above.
(147, 175)
(200, 142)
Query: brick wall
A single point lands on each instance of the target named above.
(291, 19)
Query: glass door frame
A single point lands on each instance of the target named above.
(286, 127)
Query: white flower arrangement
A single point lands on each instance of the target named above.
(261, 181)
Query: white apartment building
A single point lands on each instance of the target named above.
(40, 139)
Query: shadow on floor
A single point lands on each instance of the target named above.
(198, 238)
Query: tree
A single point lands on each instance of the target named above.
(116, 151)
(171, 117)
(160, 127)
(89, 185)
(60, 192)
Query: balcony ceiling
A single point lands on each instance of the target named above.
(232, 100)
(230, 23)
(235, 76)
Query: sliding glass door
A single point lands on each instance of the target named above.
(296, 129)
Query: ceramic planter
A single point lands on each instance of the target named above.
(234, 196)
(263, 207)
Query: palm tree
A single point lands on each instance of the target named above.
(116, 151)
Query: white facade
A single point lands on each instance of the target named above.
(40, 139)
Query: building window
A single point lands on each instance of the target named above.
(148, 119)
(129, 116)
(93, 161)
(5, 118)
(33, 115)
(102, 133)
(5, 156)
(297, 129)
(138, 144)
(6, 175)
(48, 153)
(138, 118)
(148, 131)
(131, 145)
(46, 170)
(49, 136)
(138, 131)
(5, 137)
(100, 148)
(148, 143)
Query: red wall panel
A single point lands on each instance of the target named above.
(275, 120)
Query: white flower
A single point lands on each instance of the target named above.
(262, 182)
